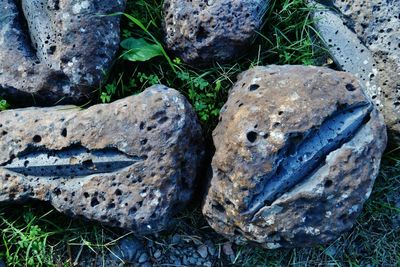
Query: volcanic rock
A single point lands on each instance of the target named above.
(363, 37)
(297, 153)
(129, 164)
(202, 31)
(56, 51)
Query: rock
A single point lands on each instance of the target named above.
(227, 248)
(202, 31)
(143, 258)
(176, 239)
(157, 254)
(363, 37)
(129, 164)
(202, 250)
(128, 250)
(56, 51)
(297, 152)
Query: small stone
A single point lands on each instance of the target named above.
(143, 258)
(157, 254)
(200, 32)
(192, 260)
(61, 54)
(211, 248)
(297, 152)
(176, 239)
(208, 264)
(129, 164)
(202, 250)
(128, 249)
(227, 249)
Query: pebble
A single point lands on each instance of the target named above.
(176, 239)
(157, 254)
(202, 250)
(143, 258)
(211, 248)
(227, 248)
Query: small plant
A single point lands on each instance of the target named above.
(3, 104)
(110, 90)
(25, 242)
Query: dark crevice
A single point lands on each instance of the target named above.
(296, 165)
(24, 26)
(71, 162)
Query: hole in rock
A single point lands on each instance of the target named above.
(328, 183)
(350, 87)
(254, 87)
(219, 208)
(64, 132)
(37, 139)
(252, 136)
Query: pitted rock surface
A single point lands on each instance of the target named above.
(129, 164)
(363, 37)
(202, 31)
(56, 51)
(297, 152)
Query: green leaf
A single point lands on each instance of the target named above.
(140, 50)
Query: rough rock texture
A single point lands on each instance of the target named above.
(363, 36)
(56, 50)
(297, 153)
(129, 164)
(202, 31)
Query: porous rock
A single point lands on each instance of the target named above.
(129, 164)
(297, 152)
(363, 37)
(202, 31)
(56, 51)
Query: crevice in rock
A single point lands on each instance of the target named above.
(299, 163)
(73, 161)
(24, 26)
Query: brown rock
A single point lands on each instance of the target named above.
(202, 31)
(297, 152)
(129, 164)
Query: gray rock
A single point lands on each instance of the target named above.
(211, 248)
(363, 37)
(127, 250)
(157, 254)
(227, 249)
(56, 51)
(129, 164)
(202, 31)
(143, 258)
(202, 250)
(176, 239)
(297, 153)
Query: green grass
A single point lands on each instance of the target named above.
(286, 38)
(36, 235)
